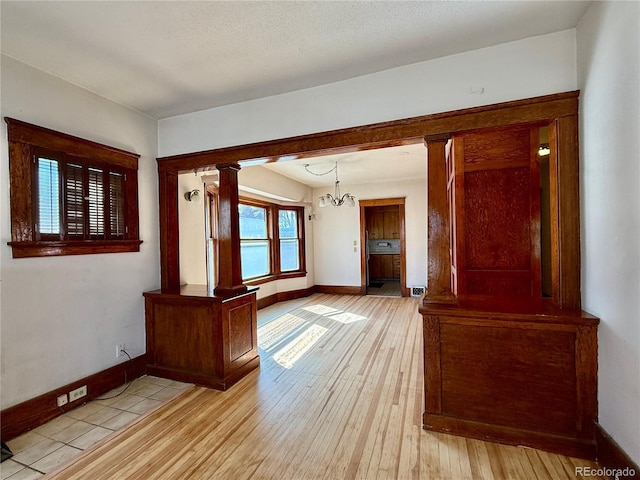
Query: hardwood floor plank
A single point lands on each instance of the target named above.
(338, 396)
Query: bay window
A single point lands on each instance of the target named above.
(271, 241)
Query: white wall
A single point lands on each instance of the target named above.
(336, 228)
(608, 45)
(191, 219)
(63, 316)
(526, 68)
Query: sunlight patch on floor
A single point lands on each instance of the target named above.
(290, 354)
(320, 309)
(346, 317)
(276, 330)
(334, 314)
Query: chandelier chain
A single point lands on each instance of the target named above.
(306, 167)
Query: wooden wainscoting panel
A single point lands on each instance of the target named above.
(242, 334)
(532, 393)
(184, 337)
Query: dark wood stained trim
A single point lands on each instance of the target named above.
(438, 227)
(209, 381)
(284, 296)
(273, 278)
(25, 142)
(169, 230)
(28, 415)
(339, 290)
(544, 109)
(565, 214)
(59, 248)
(611, 456)
(569, 446)
(26, 133)
(382, 202)
(410, 130)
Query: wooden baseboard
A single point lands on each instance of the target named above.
(338, 290)
(564, 445)
(613, 458)
(284, 296)
(28, 415)
(203, 379)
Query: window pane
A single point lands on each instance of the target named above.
(96, 202)
(74, 201)
(288, 223)
(254, 256)
(289, 259)
(116, 204)
(253, 222)
(48, 196)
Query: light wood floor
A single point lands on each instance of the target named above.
(388, 289)
(338, 396)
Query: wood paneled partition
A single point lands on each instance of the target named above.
(502, 362)
(548, 344)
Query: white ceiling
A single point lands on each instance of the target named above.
(369, 166)
(166, 58)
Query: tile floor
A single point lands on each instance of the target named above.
(44, 449)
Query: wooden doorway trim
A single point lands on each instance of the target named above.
(381, 202)
(560, 110)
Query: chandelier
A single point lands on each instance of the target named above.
(336, 199)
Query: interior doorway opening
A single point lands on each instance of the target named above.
(383, 256)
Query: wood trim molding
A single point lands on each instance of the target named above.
(23, 132)
(338, 290)
(284, 296)
(547, 108)
(613, 458)
(382, 202)
(27, 415)
(413, 130)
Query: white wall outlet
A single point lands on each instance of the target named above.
(77, 393)
(62, 399)
(120, 350)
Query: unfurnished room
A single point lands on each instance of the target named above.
(320, 240)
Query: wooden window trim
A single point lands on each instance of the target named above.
(274, 242)
(24, 140)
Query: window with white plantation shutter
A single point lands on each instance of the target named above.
(70, 196)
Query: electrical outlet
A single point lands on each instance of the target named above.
(62, 400)
(77, 393)
(120, 350)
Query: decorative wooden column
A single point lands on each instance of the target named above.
(169, 230)
(192, 334)
(438, 233)
(230, 279)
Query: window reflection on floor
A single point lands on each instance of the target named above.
(288, 337)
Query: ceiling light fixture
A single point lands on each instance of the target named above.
(336, 199)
